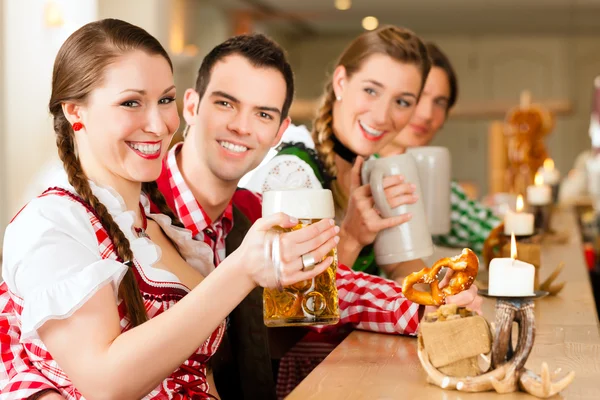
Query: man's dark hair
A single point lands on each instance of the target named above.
(440, 60)
(260, 51)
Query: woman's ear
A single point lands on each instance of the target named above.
(338, 82)
(72, 113)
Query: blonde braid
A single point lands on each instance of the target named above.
(321, 134)
(129, 291)
(323, 130)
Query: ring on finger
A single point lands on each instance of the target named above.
(308, 262)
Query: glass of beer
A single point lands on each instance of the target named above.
(310, 302)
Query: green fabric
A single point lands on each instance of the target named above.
(365, 262)
(366, 259)
(470, 222)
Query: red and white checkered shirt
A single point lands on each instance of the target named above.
(28, 368)
(19, 379)
(366, 301)
(191, 214)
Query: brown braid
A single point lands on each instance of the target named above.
(129, 291)
(157, 198)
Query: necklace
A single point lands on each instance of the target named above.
(141, 232)
(342, 151)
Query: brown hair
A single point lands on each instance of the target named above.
(440, 60)
(260, 51)
(79, 69)
(400, 44)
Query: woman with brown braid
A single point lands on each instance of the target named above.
(112, 300)
(370, 98)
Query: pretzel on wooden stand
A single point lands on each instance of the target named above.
(465, 267)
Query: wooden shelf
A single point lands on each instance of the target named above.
(304, 109)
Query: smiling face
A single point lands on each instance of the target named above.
(238, 119)
(129, 120)
(376, 103)
(430, 114)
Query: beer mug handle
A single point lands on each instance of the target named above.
(376, 182)
(273, 259)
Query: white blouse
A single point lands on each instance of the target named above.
(52, 259)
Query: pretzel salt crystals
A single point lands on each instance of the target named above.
(465, 267)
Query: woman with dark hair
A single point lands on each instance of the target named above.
(112, 300)
(438, 97)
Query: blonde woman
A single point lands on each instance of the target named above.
(369, 99)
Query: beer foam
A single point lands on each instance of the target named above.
(299, 203)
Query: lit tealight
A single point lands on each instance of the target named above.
(540, 193)
(370, 23)
(549, 164)
(520, 223)
(520, 203)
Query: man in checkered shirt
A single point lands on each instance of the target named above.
(237, 111)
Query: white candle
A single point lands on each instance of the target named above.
(511, 277)
(521, 223)
(549, 173)
(539, 194)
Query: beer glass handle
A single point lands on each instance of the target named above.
(273, 259)
(376, 182)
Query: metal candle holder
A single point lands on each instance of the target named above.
(541, 217)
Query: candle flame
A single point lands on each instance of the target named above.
(539, 179)
(549, 164)
(520, 203)
(513, 246)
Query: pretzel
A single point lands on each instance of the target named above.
(465, 267)
(492, 244)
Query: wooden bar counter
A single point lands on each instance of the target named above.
(379, 366)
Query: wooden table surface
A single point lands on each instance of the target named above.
(379, 366)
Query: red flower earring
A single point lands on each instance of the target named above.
(77, 126)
